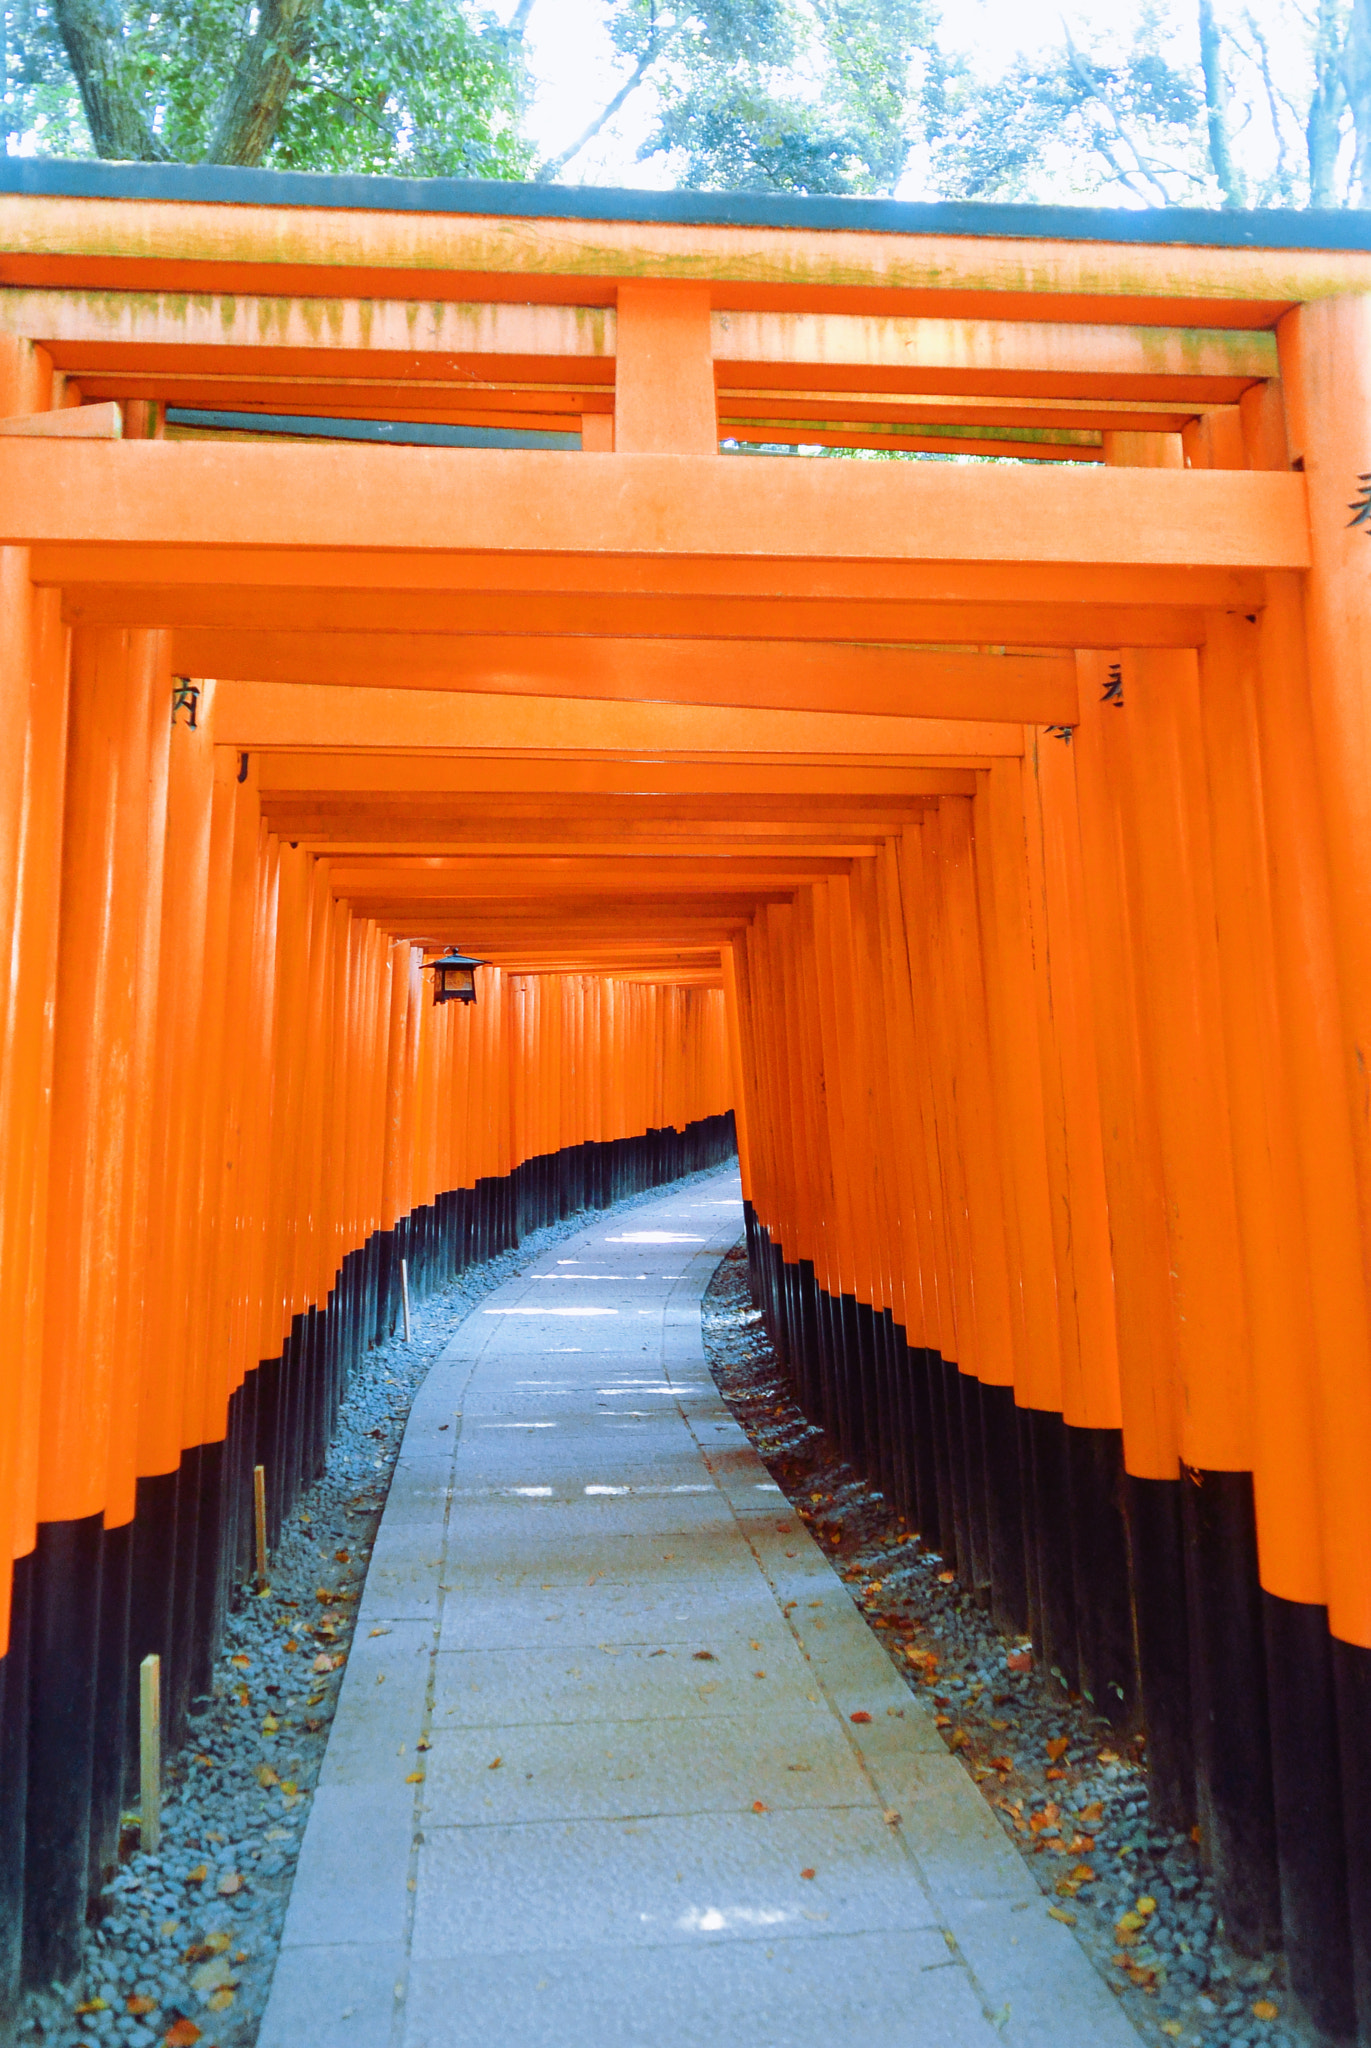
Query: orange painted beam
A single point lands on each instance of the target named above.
(1035, 689)
(434, 500)
(1120, 586)
(176, 245)
(675, 616)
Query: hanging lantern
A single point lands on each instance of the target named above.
(454, 977)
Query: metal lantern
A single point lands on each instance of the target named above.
(454, 977)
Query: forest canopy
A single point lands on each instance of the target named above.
(1215, 103)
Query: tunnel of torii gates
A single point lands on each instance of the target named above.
(390, 565)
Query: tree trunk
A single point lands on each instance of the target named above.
(92, 32)
(251, 109)
(1356, 79)
(1216, 107)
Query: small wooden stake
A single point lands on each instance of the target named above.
(259, 1509)
(404, 1295)
(150, 1752)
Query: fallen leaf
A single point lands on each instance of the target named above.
(1001, 1763)
(704, 1657)
(1090, 1816)
(182, 2033)
(1173, 2029)
(1060, 1913)
(946, 1578)
(959, 1739)
(496, 1764)
(93, 2005)
(1266, 2009)
(217, 1943)
(423, 1743)
(198, 1875)
(860, 1717)
(891, 1818)
(140, 2004)
(1145, 1906)
(342, 1557)
(1058, 1747)
(415, 1778)
(229, 1883)
(266, 1775)
(289, 1787)
(1130, 1923)
(270, 1724)
(759, 1807)
(808, 1873)
(222, 1999)
(212, 1975)
(1083, 1874)
(378, 1632)
(291, 1643)
(1053, 1773)
(322, 1664)
(243, 1663)
(1109, 1756)
(1019, 1660)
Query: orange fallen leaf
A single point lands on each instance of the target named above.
(1060, 1913)
(266, 1775)
(1001, 1763)
(946, 1578)
(243, 1663)
(1083, 1874)
(222, 1999)
(322, 1664)
(1266, 2009)
(495, 1765)
(1019, 1660)
(182, 2033)
(860, 1717)
(139, 2004)
(415, 1778)
(1058, 1747)
(88, 2005)
(1090, 1816)
(808, 1873)
(198, 1875)
(1146, 1906)
(289, 1787)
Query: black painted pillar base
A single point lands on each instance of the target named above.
(1228, 1683)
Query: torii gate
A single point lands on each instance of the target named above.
(994, 834)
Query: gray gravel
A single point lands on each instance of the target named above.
(186, 1945)
(1136, 1896)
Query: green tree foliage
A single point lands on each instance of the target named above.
(421, 87)
(1198, 104)
(772, 94)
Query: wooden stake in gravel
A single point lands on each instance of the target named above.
(259, 1509)
(404, 1295)
(150, 1753)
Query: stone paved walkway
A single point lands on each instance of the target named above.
(646, 1813)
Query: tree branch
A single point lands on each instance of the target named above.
(92, 33)
(1216, 108)
(558, 163)
(251, 109)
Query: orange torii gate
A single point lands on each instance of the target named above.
(994, 835)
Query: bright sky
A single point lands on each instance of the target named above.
(573, 62)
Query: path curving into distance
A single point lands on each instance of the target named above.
(595, 1775)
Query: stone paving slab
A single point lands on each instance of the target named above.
(594, 1777)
